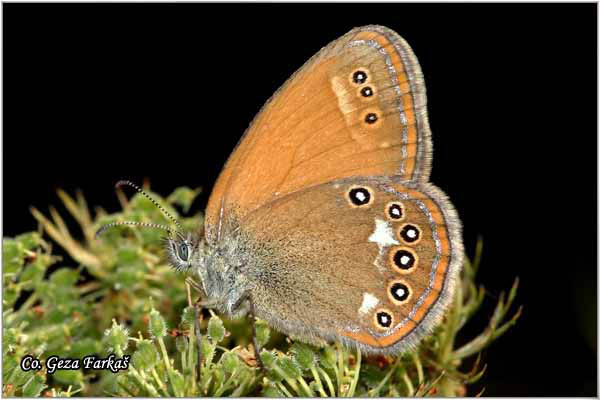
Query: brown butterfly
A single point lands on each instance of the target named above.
(323, 222)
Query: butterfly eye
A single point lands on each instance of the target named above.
(182, 252)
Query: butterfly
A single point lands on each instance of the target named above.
(323, 222)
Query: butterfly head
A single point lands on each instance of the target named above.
(184, 249)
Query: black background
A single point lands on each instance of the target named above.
(99, 92)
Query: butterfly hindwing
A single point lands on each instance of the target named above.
(368, 261)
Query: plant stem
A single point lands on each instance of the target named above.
(306, 388)
(356, 374)
(160, 384)
(284, 389)
(163, 349)
(340, 368)
(375, 391)
(315, 374)
(419, 366)
(328, 380)
(409, 385)
(145, 385)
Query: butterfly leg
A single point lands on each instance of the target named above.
(197, 310)
(198, 304)
(255, 340)
(194, 284)
(245, 305)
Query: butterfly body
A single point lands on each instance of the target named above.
(323, 222)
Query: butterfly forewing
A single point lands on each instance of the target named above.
(357, 108)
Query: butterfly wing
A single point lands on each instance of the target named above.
(371, 262)
(357, 108)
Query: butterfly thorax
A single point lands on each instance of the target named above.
(221, 268)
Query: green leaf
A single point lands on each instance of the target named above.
(13, 256)
(117, 337)
(219, 377)
(64, 277)
(216, 330)
(60, 313)
(372, 375)
(157, 326)
(113, 236)
(30, 240)
(262, 333)
(304, 355)
(9, 339)
(69, 377)
(33, 273)
(177, 381)
(184, 197)
(271, 390)
(146, 356)
(328, 361)
(268, 358)
(10, 294)
(9, 363)
(128, 384)
(152, 235)
(145, 209)
(290, 367)
(84, 347)
(34, 387)
(20, 377)
(188, 316)
(230, 362)
(127, 277)
(128, 255)
(181, 343)
(208, 350)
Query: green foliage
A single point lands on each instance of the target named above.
(124, 299)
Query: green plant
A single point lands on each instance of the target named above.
(124, 299)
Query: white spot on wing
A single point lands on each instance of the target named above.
(369, 302)
(343, 96)
(383, 234)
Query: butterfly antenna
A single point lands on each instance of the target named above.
(131, 223)
(136, 187)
